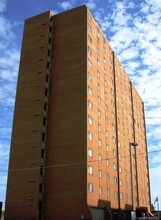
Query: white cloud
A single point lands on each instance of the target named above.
(129, 53)
(121, 40)
(2, 5)
(10, 59)
(105, 25)
(8, 75)
(144, 8)
(91, 5)
(4, 27)
(154, 4)
(119, 15)
(135, 37)
(65, 5)
(7, 93)
(155, 182)
(3, 150)
(156, 159)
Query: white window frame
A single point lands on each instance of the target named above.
(90, 187)
(90, 152)
(90, 136)
(90, 170)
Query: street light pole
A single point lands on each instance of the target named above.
(131, 171)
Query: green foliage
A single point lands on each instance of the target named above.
(152, 208)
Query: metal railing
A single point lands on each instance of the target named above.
(146, 218)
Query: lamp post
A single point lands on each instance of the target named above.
(134, 144)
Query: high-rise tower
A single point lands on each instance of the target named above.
(77, 120)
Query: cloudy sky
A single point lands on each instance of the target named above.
(133, 28)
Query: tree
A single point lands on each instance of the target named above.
(152, 208)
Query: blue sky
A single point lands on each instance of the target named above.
(133, 29)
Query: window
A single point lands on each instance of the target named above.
(99, 142)
(115, 180)
(104, 50)
(104, 60)
(48, 65)
(111, 70)
(105, 83)
(105, 94)
(113, 127)
(108, 177)
(49, 41)
(90, 90)
(43, 137)
(89, 27)
(126, 197)
(46, 92)
(89, 76)
(90, 152)
(89, 63)
(47, 78)
(107, 162)
(111, 81)
(90, 169)
(90, 136)
(99, 100)
(89, 16)
(99, 113)
(98, 74)
(120, 169)
(110, 50)
(100, 174)
(112, 103)
(115, 194)
(98, 50)
(45, 121)
(120, 182)
(112, 91)
(121, 195)
(49, 53)
(113, 115)
(113, 139)
(98, 40)
(98, 87)
(107, 147)
(90, 187)
(114, 166)
(108, 192)
(89, 39)
(106, 107)
(89, 50)
(114, 153)
(107, 134)
(98, 62)
(105, 71)
(99, 127)
(100, 158)
(90, 120)
(106, 120)
(90, 105)
(100, 190)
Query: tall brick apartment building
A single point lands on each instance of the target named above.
(77, 120)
